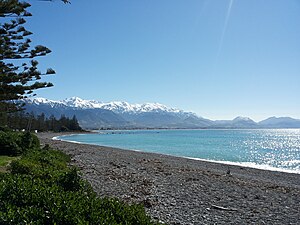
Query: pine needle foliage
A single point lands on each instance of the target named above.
(19, 74)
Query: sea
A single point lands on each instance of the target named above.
(268, 149)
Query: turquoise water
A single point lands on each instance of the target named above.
(276, 149)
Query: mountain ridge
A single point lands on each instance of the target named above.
(113, 106)
(93, 114)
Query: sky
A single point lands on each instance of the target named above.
(217, 58)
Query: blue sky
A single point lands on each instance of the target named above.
(217, 58)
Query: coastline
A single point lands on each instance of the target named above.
(179, 190)
(240, 164)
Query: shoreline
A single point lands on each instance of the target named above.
(239, 164)
(179, 190)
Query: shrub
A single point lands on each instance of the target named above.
(29, 141)
(70, 180)
(22, 167)
(5, 129)
(28, 200)
(10, 143)
(19, 204)
(17, 143)
(44, 164)
(42, 189)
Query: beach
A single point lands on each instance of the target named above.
(177, 190)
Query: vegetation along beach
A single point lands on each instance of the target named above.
(183, 191)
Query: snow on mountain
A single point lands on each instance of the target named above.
(74, 102)
(116, 106)
(243, 122)
(95, 114)
(41, 101)
(80, 103)
(242, 119)
(124, 107)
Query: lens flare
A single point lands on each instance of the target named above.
(224, 29)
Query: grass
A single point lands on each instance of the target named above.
(4, 162)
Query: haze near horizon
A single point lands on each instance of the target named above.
(219, 59)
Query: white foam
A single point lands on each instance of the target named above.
(58, 138)
(249, 165)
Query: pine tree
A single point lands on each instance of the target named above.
(41, 123)
(19, 74)
(74, 125)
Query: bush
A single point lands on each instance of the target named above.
(17, 143)
(42, 189)
(70, 180)
(44, 164)
(29, 141)
(22, 167)
(5, 129)
(19, 204)
(10, 143)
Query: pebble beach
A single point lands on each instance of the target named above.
(177, 190)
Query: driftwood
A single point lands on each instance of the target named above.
(223, 208)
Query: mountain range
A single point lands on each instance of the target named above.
(93, 114)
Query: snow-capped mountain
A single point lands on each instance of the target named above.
(74, 102)
(93, 114)
(116, 106)
(96, 114)
(80, 103)
(124, 107)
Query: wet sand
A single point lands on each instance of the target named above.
(177, 190)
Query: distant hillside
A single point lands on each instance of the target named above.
(93, 114)
(238, 122)
(280, 122)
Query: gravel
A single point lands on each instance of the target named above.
(177, 190)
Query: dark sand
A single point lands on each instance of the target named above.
(184, 191)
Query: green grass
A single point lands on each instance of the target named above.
(4, 161)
